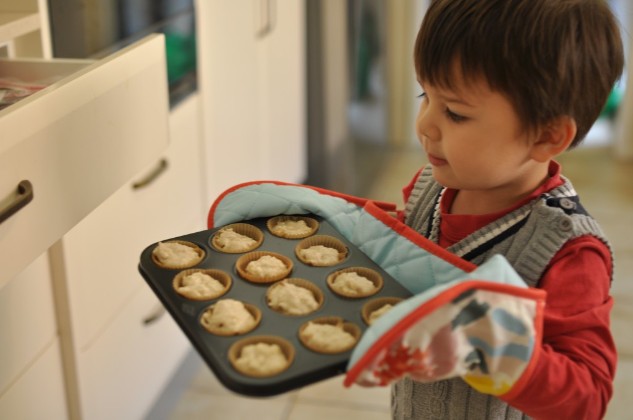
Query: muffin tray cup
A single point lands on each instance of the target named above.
(308, 366)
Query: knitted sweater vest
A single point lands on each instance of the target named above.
(528, 237)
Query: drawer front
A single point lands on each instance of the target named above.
(39, 392)
(102, 252)
(27, 320)
(124, 371)
(77, 142)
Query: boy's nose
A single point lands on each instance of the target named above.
(426, 129)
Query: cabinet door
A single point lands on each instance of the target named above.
(124, 371)
(229, 81)
(76, 142)
(284, 92)
(27, 320)
(23, 28)
(102, 252)
(121, 363)
(39, 392)
(252, 83)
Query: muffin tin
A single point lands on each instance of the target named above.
(307, 366)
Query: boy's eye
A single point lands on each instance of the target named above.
(422, 95)
(455, 117)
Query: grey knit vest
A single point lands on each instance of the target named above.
(528, 237)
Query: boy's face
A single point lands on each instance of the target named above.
(474, 139)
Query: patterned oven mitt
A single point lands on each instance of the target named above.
(480, 323)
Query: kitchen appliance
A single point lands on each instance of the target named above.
(96, 28)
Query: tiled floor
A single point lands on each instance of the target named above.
(607, 191)
(207, 399)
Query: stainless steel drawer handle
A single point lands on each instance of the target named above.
(151, 177)
(155, 315)
(23, 197)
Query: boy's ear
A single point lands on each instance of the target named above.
(554, 138)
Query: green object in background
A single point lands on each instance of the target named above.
(181, 55)
(367, 51)
(613, 102)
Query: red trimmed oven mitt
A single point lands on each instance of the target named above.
(481, 323)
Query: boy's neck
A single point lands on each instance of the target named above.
(480, 202)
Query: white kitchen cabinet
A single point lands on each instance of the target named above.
(122, 361)
(252, 84)
(76, 141)
(39, 392)
(14, 24)
(96, 342)
(30, 362)
(122, 374)
(72, 145)
(24, 28)
(27, 320)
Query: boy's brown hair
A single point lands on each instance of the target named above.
(550, 58)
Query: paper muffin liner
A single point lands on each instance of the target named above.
(325, 240)
(223, 277)
(195, 247)
(242, 262)
(375, 304)
(271, 223)
(245, 229)
(306, 284)
(235, 351)
(346, 326)
(368, 273)
(254, 310)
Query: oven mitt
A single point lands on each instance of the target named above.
(481, 323)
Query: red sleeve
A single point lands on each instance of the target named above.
(573, 378)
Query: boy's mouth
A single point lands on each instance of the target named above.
(436, 161)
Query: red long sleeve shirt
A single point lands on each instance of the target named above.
(573, 378)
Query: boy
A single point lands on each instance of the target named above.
(509, 85)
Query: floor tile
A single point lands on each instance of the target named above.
(305, 411)
(620, 405)
(206, 382)
(621, 320)
(200, 406)
(333, 391)
(622, 287)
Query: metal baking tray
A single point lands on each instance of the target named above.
(308, 366)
